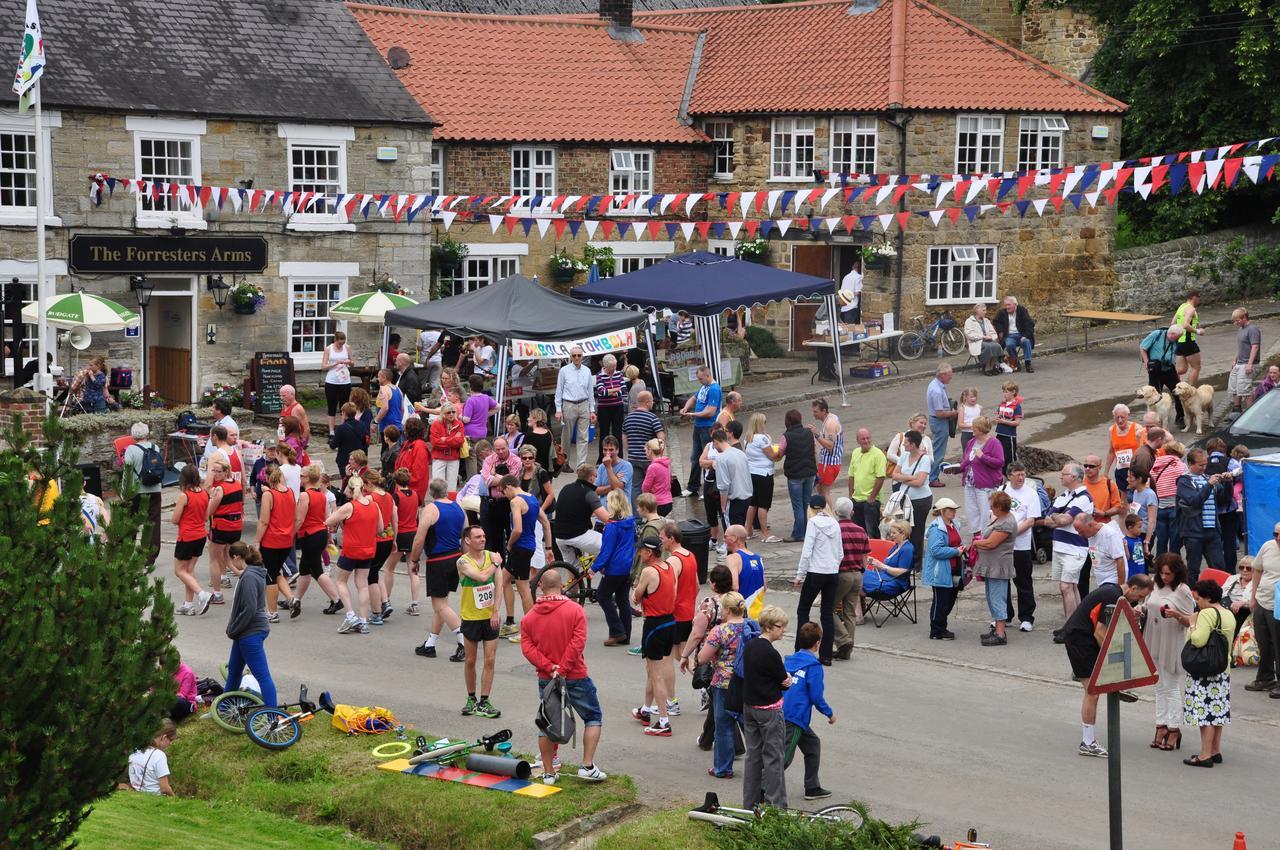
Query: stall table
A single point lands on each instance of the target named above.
(882, 343)
(1104, 316)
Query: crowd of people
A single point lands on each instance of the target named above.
(472, 508)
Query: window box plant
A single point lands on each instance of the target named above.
(247, 298)
(752, 250)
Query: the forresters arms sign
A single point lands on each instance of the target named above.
(530, 349)
(101, 254)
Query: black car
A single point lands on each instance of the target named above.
(1258, 428)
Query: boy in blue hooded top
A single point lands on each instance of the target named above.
(804, 695)
(617, 554)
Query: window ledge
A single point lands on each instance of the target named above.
(27, 220)
(805, 180)
(167, 222)
(321, 226)
(723, 178)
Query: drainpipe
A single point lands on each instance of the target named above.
(900, 120)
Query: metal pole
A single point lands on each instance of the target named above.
(1113, 770)
(42, 382)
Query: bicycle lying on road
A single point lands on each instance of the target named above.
(941, 334)
(575, 579)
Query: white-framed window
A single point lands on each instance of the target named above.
(317, 156)
(979, 143)
(630, 172)
(437, 171)
(630, 257)
(792, 149)
(167, 150)
(19, 153)
(1040, 141)
(25, 272)
(721, 135)
(312, 289)
(961, 274)
(723, 247)
(533, 171)
(853, 144)
(485, 263)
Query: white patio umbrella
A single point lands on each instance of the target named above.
(76, 309)
(369, 306)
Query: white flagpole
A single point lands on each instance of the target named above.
(43, 382)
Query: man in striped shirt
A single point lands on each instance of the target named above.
(640, 426)
(829, 437)
(611, 392)
(1198, 515)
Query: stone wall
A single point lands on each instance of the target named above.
(1064, 38)
(1156, 278)
(234, 151)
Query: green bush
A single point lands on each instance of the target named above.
(1257, 269)
(762, 342)
(86, 638)
(778, 829)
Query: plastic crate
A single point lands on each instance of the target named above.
(875, 369)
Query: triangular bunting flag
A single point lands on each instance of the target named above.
(1231, 171)
(510, 222)
(827, 196)
(686, 228)
(527, 225)
(751, 225)
(447, 217)
(902, 218)
(654, 227)
(702, 227)
(935, 216)
(953, 213)
(494, 221)
(1039, 205)
(784, 224)
(747, 199)
(543, 224)
(734, 227)
(624, 227)
(591, 225)
(886, 221)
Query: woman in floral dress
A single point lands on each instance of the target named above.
(1208, 701)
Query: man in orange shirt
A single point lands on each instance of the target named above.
(1108, 502)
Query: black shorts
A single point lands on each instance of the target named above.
(404, 540)
(711, 503)
(1185, 349)
(336, 395)
(353, 564)
(442, 575)
(224, 538)
(684, 628)
(761, 492)
(657, 640)
(519, 562)
(478, 631)
(185, 550)
(1083, 656)
(311, 547)
(273, 560)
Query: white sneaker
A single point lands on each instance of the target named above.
(722, 549)
(555, 764)
(1025, 626)
(203, 600)
(1093, 750)
(550, 778)
(673, 707)
(184, 610)
(592, 774)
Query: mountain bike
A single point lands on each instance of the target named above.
(727, 817)
(576, 579)
(941, 334)
(277, 729)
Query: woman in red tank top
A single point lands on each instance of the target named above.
(385, 554)
(190, 513)
(226, 522)
(275, 539)
(407, 504)
(312, 511)
(360, 520)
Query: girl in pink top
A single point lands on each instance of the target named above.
(185, 705)
(657, 478)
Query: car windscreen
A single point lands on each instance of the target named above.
(1262, 418)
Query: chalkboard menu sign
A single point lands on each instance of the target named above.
(271, 370)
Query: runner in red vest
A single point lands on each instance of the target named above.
(312, 511)
(655, 594)
(190, 513)
(686, 602)
(380, 583)
(275, 540)
(360, 520)
(407, 504)
(226, 522)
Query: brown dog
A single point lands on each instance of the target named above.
(1197, 402)
(1161, 403)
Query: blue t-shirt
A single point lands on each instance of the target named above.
(708, 396)
(1158, 347)
(625, 472)
(936, 398)
(1135, 555)
(1140, 501)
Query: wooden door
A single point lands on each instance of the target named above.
(169, 370)
(814, 260)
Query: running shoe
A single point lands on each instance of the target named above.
(470, 708)
(459, 654)
(363, 628)
(1094, 750)
(387, 610)
(635, 650)
(818, 793)
(515, 638)
(660, 730)
(412, 610)
(226, 581)
(375, 619)
(349, 625)
(217, 600)
(273, 617)
(295, 608)
(550, 778)
(592, 774)
(506, 630)
(203, 598)
(186, 609)
(673, 707)
(425, 651)
(555, 763)
(642, 714)
(484, 708)
(333, 607)
(1025, 626)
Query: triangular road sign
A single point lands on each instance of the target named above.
(1124, 662)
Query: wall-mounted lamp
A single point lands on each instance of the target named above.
(219, 289)
(142, 289)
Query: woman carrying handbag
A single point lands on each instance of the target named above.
(1206, 658)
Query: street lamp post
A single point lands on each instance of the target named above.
(142, 289)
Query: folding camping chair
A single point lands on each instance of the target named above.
(882, 606)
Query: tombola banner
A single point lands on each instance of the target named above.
(532, 349)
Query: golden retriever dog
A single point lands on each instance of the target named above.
(1161, 403)
(1197, 402)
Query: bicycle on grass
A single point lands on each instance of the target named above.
(277, 729)
(576, 579)
(727, 817)
(941, 334)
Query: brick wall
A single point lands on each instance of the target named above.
(28, 405)
(232, 151)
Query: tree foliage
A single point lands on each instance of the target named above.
(1195, 73)
(85, 637)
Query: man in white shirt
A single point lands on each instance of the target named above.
(576, 404)
(850, 296)
(1026, 510)
(1106, 548)
(429, 354)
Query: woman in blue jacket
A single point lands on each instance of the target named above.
(941, 567)
(804, 695)
(617, 553)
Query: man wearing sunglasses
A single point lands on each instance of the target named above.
(1108, 503)
(576, 405)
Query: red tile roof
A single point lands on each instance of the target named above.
(552, 79)
(820, 57)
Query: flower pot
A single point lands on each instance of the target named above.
(564, 275)
(879, 261)
(244, 309)
(762, 259)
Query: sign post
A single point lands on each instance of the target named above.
(1124, 662)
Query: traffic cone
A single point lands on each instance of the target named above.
(1239, 843)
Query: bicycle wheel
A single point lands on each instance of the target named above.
(272, 728)
(844, 814)
(570, 578)
(953, 341)
(231, 707)
(910, 345)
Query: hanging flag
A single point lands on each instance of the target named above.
(30, 60)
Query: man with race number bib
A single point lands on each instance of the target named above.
(480, 583)
(440, 532)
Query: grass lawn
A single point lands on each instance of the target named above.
(660, 830)
(330, 779)
(152, 822)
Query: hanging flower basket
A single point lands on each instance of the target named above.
(246, 298)
(878, 256)
(565, 268)
(753, 250)
(447, 256)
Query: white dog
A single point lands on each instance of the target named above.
(1161, 403)
(1197, 402)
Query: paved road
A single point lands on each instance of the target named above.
(950, 733)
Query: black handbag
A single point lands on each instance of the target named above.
(702, 675)
(1205, 662)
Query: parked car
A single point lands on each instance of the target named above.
(1258, 427)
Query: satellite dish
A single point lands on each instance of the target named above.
(79, 337)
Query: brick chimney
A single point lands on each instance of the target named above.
(619, 15)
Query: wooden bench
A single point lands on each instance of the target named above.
(1089, 316)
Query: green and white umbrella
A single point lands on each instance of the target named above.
(369, 306)
(77, 309)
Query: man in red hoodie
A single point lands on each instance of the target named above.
(554, 637)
